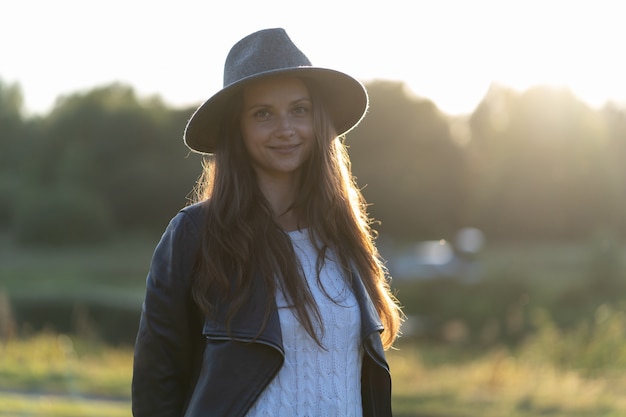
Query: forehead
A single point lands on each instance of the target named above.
(276, 87)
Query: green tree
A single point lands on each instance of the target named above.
(11, 128)
(540, 165)
(615, 121)
(126, 151)
(411, 169)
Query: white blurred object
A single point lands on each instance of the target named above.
(469, 240)
(441, 259)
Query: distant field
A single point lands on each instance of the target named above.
(551, 265)
(117, 270)
(113, 275)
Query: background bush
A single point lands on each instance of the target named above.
(61, 215)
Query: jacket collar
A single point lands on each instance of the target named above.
(245, 324)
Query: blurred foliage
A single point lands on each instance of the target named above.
(604, 281)
(51, 362)
(538, 164)
(568, 284)
(595, 345)
(412, 172)
(103, 160)
(478, 314)
(545, 165)
(61, 214)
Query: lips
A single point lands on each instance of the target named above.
(285, 148)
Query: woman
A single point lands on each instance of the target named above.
(268, 297)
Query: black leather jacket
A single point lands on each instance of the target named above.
(187, 366)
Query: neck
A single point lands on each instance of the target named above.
(281, 193)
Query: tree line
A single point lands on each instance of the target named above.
(538, 164)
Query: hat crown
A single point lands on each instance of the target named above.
(262, 52)
(265, 53)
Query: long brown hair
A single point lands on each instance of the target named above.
(243, 242)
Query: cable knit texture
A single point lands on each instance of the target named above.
(316, 382)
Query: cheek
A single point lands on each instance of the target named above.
(306, 129)
(250, 147)
(249, 136)
(255, 132)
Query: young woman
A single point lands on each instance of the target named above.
(267, 297)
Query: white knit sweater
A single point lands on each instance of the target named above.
(316, 382)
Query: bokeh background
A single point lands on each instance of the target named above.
(493, 158)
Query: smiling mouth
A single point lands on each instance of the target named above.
(284, 148)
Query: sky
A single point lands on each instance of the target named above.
(448, 51)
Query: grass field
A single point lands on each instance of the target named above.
(555, 373)
(53, 375)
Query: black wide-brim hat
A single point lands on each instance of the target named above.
(266, 53)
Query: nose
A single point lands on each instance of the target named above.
(285, 126)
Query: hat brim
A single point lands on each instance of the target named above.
(345, 97)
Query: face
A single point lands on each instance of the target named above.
(277, 126)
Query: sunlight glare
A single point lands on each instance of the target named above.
(447, 51)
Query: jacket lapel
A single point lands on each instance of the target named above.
(370, 321)
(246, 323)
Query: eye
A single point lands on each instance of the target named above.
(261, 114)
(301, 109)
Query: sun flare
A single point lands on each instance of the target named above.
(448, 51)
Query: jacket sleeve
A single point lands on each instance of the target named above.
(169, 339)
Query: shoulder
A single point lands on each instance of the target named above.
(186, 227)
(194, 213)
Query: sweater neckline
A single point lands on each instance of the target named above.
(299, 235)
